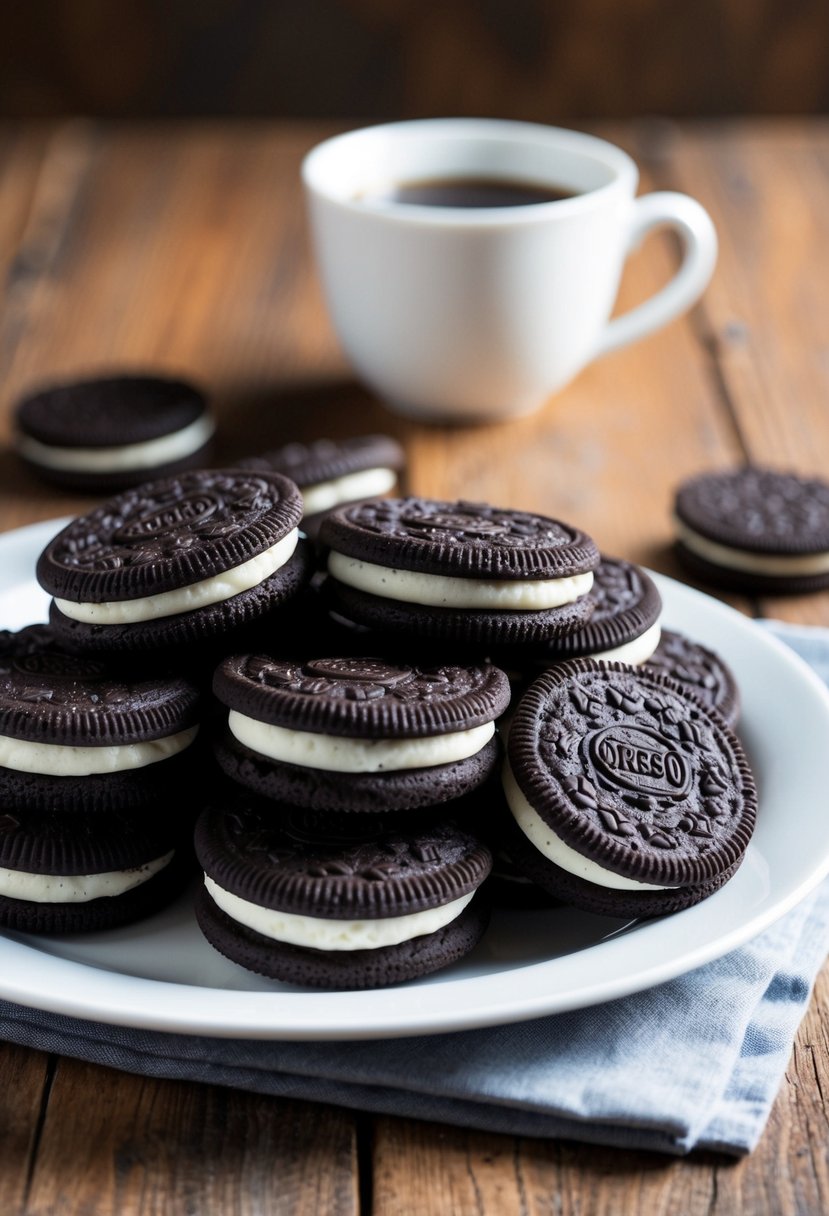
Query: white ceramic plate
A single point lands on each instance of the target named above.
(161, 974)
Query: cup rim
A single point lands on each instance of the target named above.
(623, 167)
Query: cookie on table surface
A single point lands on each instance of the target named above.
(331, 472)
(624, 626)
(458, 571)
(109, 433)
(177, 563)
(74, 736)
(755, 529)
(627, 796)
(79, 873)
(700, 670)
(358, 734)
(360, 914)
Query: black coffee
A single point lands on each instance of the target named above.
(468, 192)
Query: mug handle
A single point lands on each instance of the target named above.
(667, 209)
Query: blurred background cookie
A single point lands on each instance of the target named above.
(333, 472)
(112, 432)
(755, 529)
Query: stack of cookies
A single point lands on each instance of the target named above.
(359, 779)
(91, 760)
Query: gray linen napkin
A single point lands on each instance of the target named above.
(693, 1063)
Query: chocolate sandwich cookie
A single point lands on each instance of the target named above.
(459, 571)
(756, 530)
(109, 433)
(699, 670)
(358, 734)
(76, 737)
(361, 914)
(78, 873)
(627, 796)
(175, 564)
(331, 472)
(624, 626)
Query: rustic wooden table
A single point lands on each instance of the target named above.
(184, 247)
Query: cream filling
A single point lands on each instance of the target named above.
(63, 760)
(369, 483)
(146, 455)
(636, 652)
(555, 850)
(77, 888)
(753, 563)
(335, 755)
(444, 591)
(319, 933)
(213, 590)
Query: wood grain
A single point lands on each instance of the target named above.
(130, 1146)
(377, 59)
(25, 1078)
(184, 247)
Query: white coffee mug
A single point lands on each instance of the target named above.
(460, 314)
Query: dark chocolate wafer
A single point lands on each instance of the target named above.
(458, 570)
(358, 733)
(700, 670)
(358, 914)
(755, 529)
(79, 873)
(112, 432)
(77, 736)
(330, 472)
(624, 780)
(176, 562)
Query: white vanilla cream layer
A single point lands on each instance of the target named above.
(213, 590)
(147, 455)
(64, 760)
(444, 591)
(555, 850)
(369, 483)
(635, 652)
(336, 755)
(318, 933)
(752, 563)
(77, 888)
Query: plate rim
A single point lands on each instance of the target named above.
(92, 993)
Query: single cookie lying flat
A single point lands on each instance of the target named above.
(754, 529)
(358, 734)
(461, 571)
(175, 563)
(627, 796)
(113, 432)
(359, 914)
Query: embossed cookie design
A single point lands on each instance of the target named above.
(627, 796)
(624, 627)
(699, 670)
(755, 529)
(76, 737)
(358, 734)
(458, 571)
(360, 914)
(332, 472)
(175, 563)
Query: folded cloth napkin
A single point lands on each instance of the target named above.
(693, 1063)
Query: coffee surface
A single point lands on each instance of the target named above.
(468, 192)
